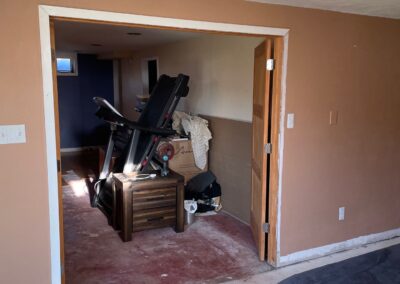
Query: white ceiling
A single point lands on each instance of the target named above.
(379, 8)
(79, 37)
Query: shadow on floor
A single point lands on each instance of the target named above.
(214, 249)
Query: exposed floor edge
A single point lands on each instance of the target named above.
(336, 247)
(280, 274)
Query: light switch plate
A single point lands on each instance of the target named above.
(290, 120)
(16, 134)
(12, 134)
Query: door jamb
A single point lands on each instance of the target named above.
(46, 12)
(276, 139)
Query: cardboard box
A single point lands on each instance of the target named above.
(183, 161)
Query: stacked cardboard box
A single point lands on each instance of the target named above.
(183, 160)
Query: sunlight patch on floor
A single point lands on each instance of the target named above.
(77, 183)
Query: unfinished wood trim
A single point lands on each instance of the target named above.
(258, 111)
(281, 143)
(256, 169)
(272, 255)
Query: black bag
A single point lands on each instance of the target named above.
(205, 190)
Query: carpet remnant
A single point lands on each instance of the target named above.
(213, 249)
(378, 267)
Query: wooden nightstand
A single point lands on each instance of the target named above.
(147, 204)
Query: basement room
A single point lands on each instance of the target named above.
(123, 65)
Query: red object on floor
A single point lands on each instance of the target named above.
(214, 249)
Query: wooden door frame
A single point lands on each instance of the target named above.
(277, 116)
(83, 15)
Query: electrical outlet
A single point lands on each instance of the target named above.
(341, 213)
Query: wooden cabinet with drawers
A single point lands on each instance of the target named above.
(147, 204)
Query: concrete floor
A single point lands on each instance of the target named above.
(214, 249)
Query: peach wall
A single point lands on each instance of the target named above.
(336, 61)
(351, 69)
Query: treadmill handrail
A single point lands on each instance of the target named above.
(157, 131)
(101, 102)
(108, 114)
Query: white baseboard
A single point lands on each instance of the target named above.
(78, 149)
(235, 217)
(337, 247)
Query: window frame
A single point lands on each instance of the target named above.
(74, 62)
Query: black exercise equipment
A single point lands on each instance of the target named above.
(135, 143)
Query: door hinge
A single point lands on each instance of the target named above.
(266, 227)
(270, 64)
(268, 148)
(58, 166)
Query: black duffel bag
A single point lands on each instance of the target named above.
(205, 189)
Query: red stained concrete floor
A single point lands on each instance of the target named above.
(212, 250)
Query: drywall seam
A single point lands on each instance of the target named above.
(337, 247)
(161, 21)
(51, 157)
(281, 145)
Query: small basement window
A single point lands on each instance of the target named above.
(64, 65)
(67, 65)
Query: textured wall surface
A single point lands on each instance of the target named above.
(336, 61)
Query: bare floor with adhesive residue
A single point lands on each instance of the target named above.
(214, 249)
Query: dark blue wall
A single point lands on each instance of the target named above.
(78, 125)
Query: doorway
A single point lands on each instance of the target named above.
(208, 26)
